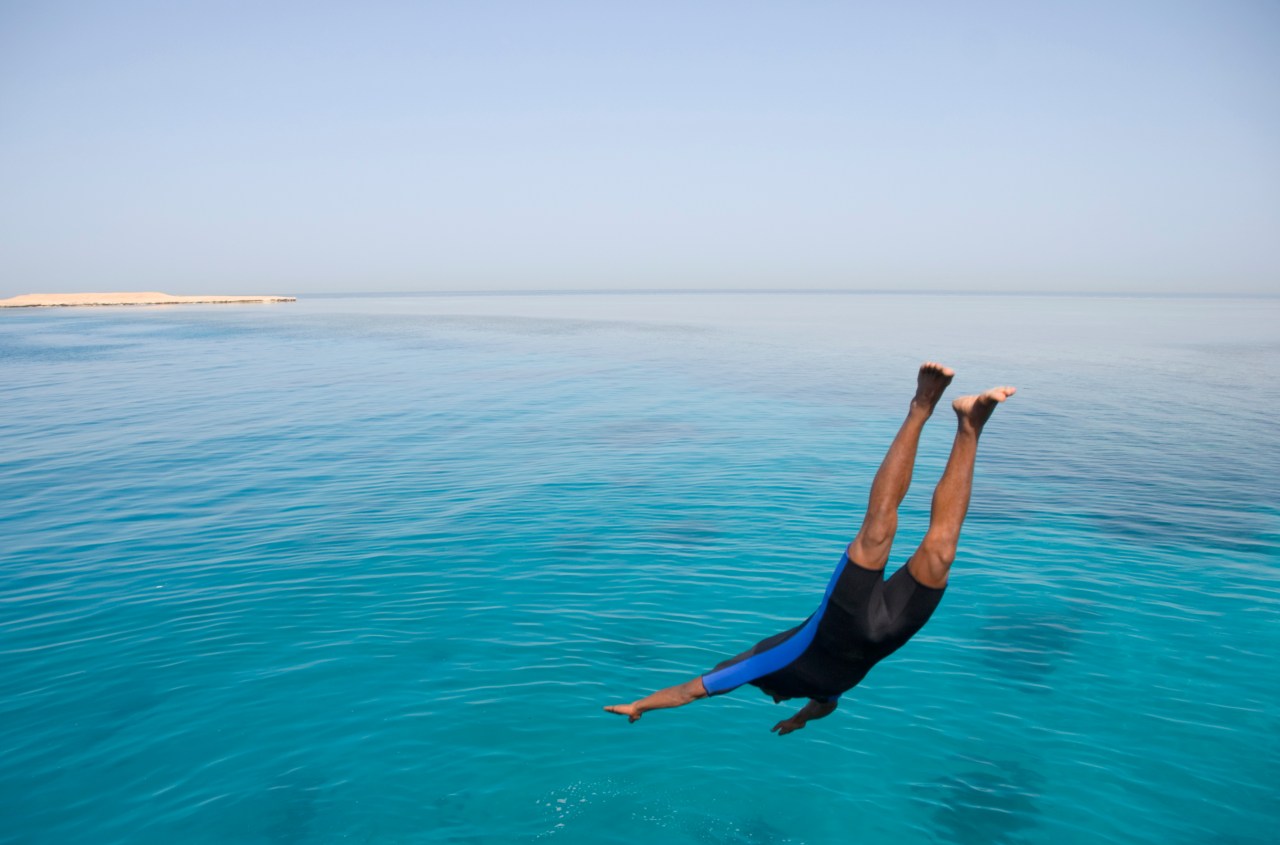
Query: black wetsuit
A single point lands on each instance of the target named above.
(862, 619)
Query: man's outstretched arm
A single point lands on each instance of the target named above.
(813, 710)
(676, 696)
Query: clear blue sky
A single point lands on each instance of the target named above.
(201, 147)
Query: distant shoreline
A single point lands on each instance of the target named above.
(53, 300)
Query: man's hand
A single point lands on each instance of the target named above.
(813, 710)
(632, 712)
(786, 726)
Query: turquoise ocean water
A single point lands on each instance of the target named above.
(366, 569)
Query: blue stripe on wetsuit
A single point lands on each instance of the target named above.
(770, 661)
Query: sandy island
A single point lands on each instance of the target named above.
(37, 300)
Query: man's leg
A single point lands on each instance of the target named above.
(870, 549)
(932, 561)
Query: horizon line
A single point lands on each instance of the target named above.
(801, 291)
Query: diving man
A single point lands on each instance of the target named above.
(862, 617)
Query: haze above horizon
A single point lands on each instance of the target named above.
(226, 148)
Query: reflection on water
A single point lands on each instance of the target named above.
(992, 805)
(290, 811)
(1023, 645)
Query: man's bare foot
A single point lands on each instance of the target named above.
(933, 379)
(975, 410)
(628, 710)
